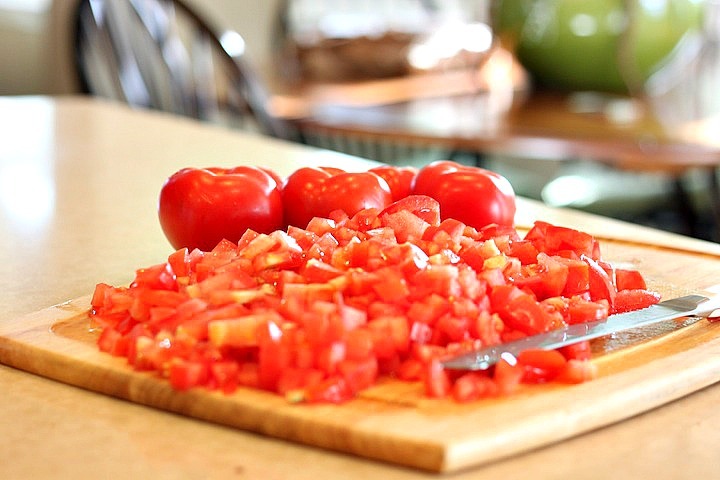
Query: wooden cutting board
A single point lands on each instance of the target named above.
(393, 422)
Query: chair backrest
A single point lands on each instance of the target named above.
(161, 54)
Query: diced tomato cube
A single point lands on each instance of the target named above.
(473, 386)
(577, 371)
(359, 374)
(601, 285)
(248, 374)
(298, 379)
(304, 238)
(365, 220)
(237, 332)
(320, 226)
(224, 375)
(546, 278)
(527, 315)
(410, 369)
(315, 271)
(390, 335)
(273, 358)
(329, 356)
(178, 262)
(436, 380)
(580, 310)
(627, 300)
(524, 250)
(424, 207)
(159, 277)
(391, 285)
(439, 279)
(359, 344)
(100, 294)
(186, 374)
(452, 328)
(626, 279)
(112, 342)
(508, 376)
(553, 239)
(578, 276)
(405, 224)
(331, 390)
(428, 309)
(577, 351)
(541, 365)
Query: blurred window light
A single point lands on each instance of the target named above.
(448, 41)
(233, 43)
(477, 37)
(25, 5)
(654, 7)
(422, 57)
(583, 25)
(570, 190)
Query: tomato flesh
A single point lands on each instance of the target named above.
(318, 314)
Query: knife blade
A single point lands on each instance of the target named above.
(689, 305)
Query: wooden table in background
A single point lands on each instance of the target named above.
(462, 111)
(80, 180)
(495, 109)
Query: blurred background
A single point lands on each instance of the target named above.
(35, 39)
(603, 53)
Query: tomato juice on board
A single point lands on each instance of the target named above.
(320, 312)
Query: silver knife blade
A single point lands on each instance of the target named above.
(667, 310)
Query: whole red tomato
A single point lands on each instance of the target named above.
(200, 207)
(426, 178)
(473, 195)
(315, 192)
(399, 179)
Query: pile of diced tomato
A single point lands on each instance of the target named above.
(318, 314)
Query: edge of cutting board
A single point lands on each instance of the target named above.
(392, 422)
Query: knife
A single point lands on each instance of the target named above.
(690, 305)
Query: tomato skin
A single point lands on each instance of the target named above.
(422, 206)
(427, 176)
(399, 179)
(601, 285)
(472, 195)
(316, 192)
(199, 207)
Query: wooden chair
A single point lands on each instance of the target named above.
(161, 54)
